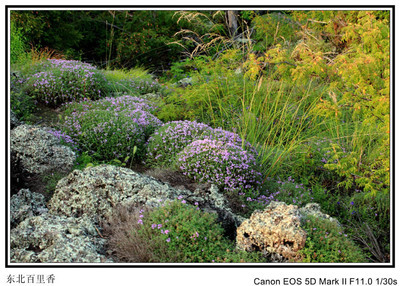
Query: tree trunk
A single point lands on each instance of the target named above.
(231, 19)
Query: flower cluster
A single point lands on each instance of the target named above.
(121, 103)
(61, 81)
(171, 138)
(111, 127)
(174, 136)
(231, 138)
(224, 164)
(64, 139)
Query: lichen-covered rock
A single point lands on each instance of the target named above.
(185, 82)
(14, 122)
(26, 204)
(211, 200)
(39, 151)
(314, 209)
(151, 96)
(95, 191)
(275, 230)
(50, 239)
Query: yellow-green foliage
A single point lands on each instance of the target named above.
(348, 51)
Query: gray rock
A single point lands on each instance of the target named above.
(212, 201)
(26, 204)
(276, 229)
(50, 239)
(151, 96)
(14, 122)
(95, 191)
(185, 82)
(39, 151)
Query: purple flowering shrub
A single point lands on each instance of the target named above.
(225, 164)
(121, 103)
(60, 81)
(229, 137)
(105, 134)
(111, 128)
(174, 136)
(170, 139)
(173, 232)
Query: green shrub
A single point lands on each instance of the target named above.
(174, 232)
(108, 135)
(18, 46)
(288, 191)
(273, 28)
(327, 243)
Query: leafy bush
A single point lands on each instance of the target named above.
(112, 128)
(224, 164)
(106, 135)
(174, 232)
(60, 81)
(366, 220)
(327, 243)
(18, 44)
(273, 28)
(348, 52)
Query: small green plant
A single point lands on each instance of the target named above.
(326, 242)
(51, 180)
(174, 232)
(84, 160)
